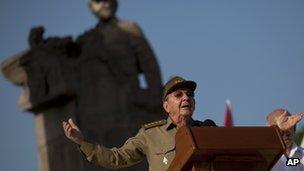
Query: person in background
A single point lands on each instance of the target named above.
(287, 124)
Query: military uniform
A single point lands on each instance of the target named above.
(155, 140)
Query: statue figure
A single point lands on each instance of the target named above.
(93, 79)
(112, 55)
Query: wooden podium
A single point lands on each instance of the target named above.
(227, 149)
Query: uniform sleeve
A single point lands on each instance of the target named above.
(132, 152)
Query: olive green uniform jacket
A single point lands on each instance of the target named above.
(155, 140)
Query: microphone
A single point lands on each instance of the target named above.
(208, 122)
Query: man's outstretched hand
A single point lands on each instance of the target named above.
(72, 132)
(286, 122)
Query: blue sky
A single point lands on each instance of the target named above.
(251, 52)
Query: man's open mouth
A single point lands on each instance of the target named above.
(185, 106)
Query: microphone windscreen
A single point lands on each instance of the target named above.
(208, 122)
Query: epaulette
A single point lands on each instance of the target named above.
(154, 124)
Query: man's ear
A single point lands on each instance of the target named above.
(165, 106)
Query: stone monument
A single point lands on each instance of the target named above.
(94, 79)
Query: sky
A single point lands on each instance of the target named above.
(251, 52)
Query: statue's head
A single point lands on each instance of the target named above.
(103, 9)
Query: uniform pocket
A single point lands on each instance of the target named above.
(165, 149)
(162, 157)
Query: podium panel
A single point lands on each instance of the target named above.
(222, 148)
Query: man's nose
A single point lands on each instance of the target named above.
(186, 96)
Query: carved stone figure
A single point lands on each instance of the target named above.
(93, 79)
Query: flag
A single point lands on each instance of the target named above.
(228, 115)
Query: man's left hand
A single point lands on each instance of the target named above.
(286, 122)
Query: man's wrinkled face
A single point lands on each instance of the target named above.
(103, 9)
(180, 103)
(288, 136)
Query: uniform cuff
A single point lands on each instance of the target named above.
(87, 148)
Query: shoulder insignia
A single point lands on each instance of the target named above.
(154, 124)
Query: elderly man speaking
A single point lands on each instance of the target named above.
(155, 140)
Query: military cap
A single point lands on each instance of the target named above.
(176, 83)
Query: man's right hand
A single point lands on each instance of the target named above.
(72, 132)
